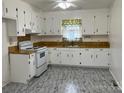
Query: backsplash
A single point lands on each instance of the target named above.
(46, 38)
(59, 38)
(36, 38)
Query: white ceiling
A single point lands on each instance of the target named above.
(47, 5)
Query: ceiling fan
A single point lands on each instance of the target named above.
(64, 4)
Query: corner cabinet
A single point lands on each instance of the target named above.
(22, 67)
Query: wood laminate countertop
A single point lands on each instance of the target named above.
(15, 50)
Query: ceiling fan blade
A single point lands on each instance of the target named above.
(58, 1)
(55, 6)
(73, 5)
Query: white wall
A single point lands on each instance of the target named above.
(116, 41)
(5, 60)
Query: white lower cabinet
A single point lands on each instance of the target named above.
(81, 57)
(86, 57)
(22, 67)
(55, 56)
(102, 57)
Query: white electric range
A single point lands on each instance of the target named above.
(40, 52)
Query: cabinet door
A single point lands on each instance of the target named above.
(102, 57)
(66, 58)
(57, 26)
(32, 65)
(44, 27)
(41, 24)
(20, 22)
(10, 8)
(3, 8)
(74, 56)
(101, 24)
(87, 58)
(28, 19)
(33, 22)
(55, 57)
(88, 25)
(49, 26)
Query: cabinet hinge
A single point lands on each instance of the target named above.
(94, 17)
(24, 12)
(107, 15)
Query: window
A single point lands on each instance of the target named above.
(71, 29)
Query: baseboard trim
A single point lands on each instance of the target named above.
(105, 67)
(115, 79)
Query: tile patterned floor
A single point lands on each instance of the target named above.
(59, 79)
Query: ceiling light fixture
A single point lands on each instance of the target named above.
(64, 4)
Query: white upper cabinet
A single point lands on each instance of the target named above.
(88, 24)
(9, 8)
(57, 25)
(101, 24)
(27, 19)
(21, 16)
(3, 9)
(48, 25)
(52, 25)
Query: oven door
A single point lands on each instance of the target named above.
(40, 57)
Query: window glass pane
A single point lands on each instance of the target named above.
(71, 31)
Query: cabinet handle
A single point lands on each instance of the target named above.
(91, 56)
(108, 54)
(29, 75)
(84, 30)
(23, 30)
(58, 30)
(107, 15)
(24, 25)
(16, 9)
(17, 32)
(80, 53)
(96, 56)
(72, 55)
(29, 62)
(94, 17)
(6, 10)
(24, 12)
(97, 30)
